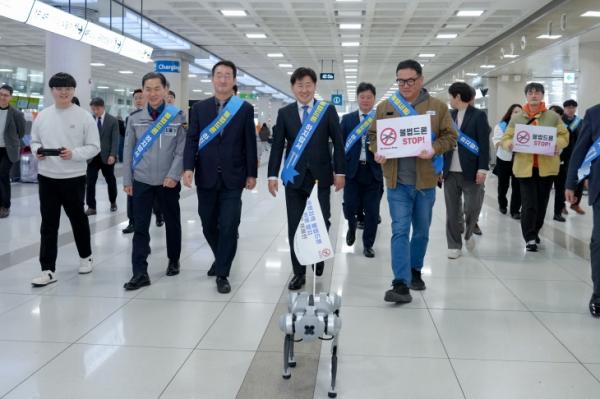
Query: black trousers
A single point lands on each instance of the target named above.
(143, 198)
(220, 210)
(68, 194)
(535, 192)
(363, 192)
(5, 165)
(108, 171)
(295, 202)
(506, 178)
(155, 209)
(559, 188)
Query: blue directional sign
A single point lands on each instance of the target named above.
(337, 99)
(327, 76)
(167, 66)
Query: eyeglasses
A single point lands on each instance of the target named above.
(408, 82)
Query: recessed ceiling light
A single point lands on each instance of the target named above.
(350, 44)
(350, 61)
(350, 76)
(446, 36)
(197, 91)
(350, 70)
(126, 72)
(97, 64)
(511, 55)
(469, 13)
(488, 66)
(102, 87)
(351, 82)
(119, 90)
(350, 26)
(256, 36)
(191, 75)
(275, 55)
(591, 14)
(550, 37)
(285, 65)
(234, 13)
(6, 70)
(426, 55)
(290, 72)
(205, 80)
(471, 74)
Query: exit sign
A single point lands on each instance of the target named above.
(327, 76)
(247, 96)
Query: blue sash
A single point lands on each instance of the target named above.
(503, 125)
(309, 125)
(586, 165)
(218, 124)
(406, 109)
(574, 124)
(467, 141)
(153, 133)
(359, 131)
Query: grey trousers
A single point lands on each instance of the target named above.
(455, 186)
(595, 248)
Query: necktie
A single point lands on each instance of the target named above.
(304, 113)
(365, 147)
(99, 124)
(220, 107)
(154, 114)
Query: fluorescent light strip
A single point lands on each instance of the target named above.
(285, 65)
(234, 13)
(350, 44)
(446, 36)
(426, 55)
(275, 55)
(256, 36)
(595, 14)
(351, 26)
(97, 64)
(350, 61)
(469, 13)
(550, 37)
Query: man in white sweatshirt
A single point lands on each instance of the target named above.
(63, 137)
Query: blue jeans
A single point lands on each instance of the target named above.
(409, 206)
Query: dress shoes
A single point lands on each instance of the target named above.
(173, 268)
(350, 236)
(516, 216)
(320, 268)
(559, 218)
(129, 229)
(297, 282)
(113, 207)
(211, 272)
(477, 230)
(223, 285)
(137, 282)
(369, 253)
(90, 212)
(159, 222)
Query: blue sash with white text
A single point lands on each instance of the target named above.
(359, 131)
(586, 165)
(406, 109)
(309, 125)
(503, 125)
(574, 124)
(153, 133)
(467, 141)
(218, 124)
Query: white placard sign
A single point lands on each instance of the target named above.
(530, 139)
(403, 137)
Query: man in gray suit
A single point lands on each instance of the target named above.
(12, 128)
(108, 126)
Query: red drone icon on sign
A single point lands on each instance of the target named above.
(388, 136)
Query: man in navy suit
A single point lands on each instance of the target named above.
(364, 179)
(589, 134)
(314, 163)
(224, 167)
(464, 171)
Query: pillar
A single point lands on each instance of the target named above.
(589, 62)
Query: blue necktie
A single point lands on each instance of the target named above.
(305, 113)
(99, 124)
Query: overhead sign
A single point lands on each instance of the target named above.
(136, 50)
(534, 139)
(17, 10)
(247, 96)
(403, 137)
(167, 66)
(569, 77)
(327, 76)
(56, 21)
(103, 38)
(337, 99)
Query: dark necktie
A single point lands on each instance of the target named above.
(364, 138)
(154, 114)
(99, 124)
(304, 113)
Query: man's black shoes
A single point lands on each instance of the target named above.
(137, 282)
(369, 253)
(223, 285)
(297, 282)
(350, 236)
(173, 268)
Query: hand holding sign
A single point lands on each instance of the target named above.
(530, 139)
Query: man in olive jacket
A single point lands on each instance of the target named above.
(411, 182)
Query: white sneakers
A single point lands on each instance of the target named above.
(470, 243)
(454, 253)
(47, 277)
(86, 265)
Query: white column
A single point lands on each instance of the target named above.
(589, 63)
(67, 55)
(507, 93)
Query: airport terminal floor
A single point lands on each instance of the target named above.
(498, 322)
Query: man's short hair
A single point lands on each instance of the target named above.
(461, 89)
(136, 91)
(364, 86)
(558, 109)
(155, 75)
(226, 63)
(97, 102)
(62, 79)
(75, 101)
(410, 64)
(301, 73)
(171, 92)
(568, 103)
(534, 86)
(7, 88)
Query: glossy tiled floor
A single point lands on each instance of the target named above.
(496, 323)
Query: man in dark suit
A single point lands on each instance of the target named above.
(12, 128)
(223, 167)
(364, 180)
(588, 136)
(464, 171)
(108, 126)
(314, 163)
